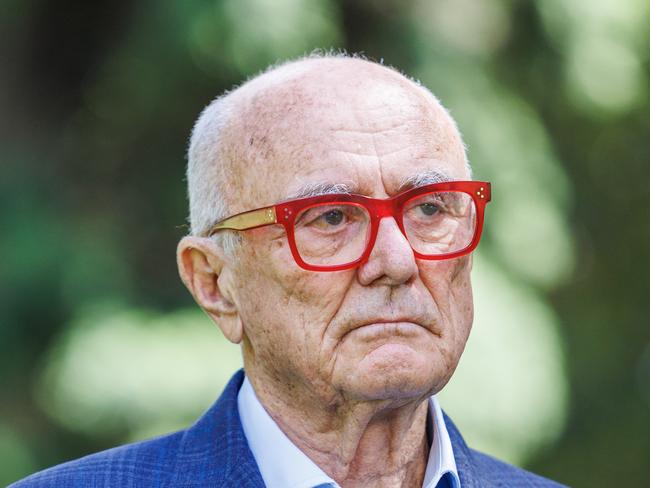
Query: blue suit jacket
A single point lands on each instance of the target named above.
(214, 453)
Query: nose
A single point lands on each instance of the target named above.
(391, 260)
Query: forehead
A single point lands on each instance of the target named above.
(368, 131)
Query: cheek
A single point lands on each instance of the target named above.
(285, 309)
(450, 286)
(442, 277)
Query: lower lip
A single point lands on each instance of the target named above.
(387, 329)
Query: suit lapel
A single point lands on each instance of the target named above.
(214, 451)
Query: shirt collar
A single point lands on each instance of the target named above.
(441, 455)
(281, 463)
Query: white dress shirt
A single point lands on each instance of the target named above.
(283, 465)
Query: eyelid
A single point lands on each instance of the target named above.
(326, 207)
(427, 198)
(319, 210)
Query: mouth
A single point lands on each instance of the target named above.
(384, 329)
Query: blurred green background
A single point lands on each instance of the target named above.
(99, 342)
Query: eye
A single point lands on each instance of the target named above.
(428, 209)
(328, 217)
(333, 217)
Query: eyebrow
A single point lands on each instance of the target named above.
(419, 179)
(428, 177)
(318, 189)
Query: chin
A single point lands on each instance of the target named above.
(395, 371)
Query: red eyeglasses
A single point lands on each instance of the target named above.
(338, 231)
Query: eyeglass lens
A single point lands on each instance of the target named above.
(440, 223)
(436, 223)
(332, 234)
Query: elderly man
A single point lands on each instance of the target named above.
(333, 216)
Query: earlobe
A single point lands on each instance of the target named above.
(206, 274)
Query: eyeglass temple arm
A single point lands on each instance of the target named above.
(246, 220)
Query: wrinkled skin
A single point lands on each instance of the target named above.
(343, 361)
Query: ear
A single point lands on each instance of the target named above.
(207, 273)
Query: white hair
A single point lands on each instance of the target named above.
(203, 170)
(207, 178)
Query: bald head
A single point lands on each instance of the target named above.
(249, 141)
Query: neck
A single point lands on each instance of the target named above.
(357, 443)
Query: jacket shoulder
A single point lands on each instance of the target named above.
(507, 475)
(147, 463)
(478, 469)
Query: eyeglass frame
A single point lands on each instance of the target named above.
(378, 208)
